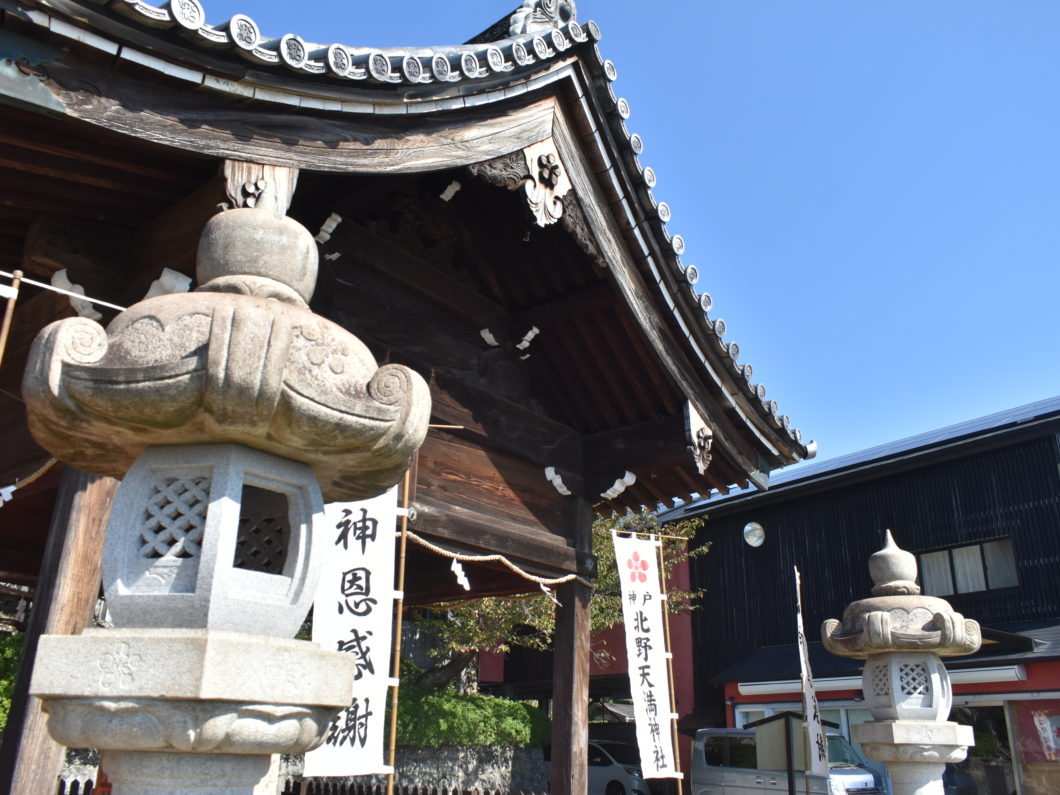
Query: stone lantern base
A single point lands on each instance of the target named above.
(916, 752)
(150, 699)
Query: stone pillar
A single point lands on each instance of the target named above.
(902, 636)
(231, 413)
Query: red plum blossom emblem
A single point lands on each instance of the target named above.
(638, 568)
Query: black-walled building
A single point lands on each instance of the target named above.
(978, 503)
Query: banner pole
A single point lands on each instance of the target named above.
(670, 667)
(9, 311)
(395, 669)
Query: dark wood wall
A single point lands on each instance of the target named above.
(1010, 491)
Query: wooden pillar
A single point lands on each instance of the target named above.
(66, 594)
(570, 673)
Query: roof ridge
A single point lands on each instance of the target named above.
(539, 30)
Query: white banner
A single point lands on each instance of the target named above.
(818, 750)
(649, 675)
(354, 613)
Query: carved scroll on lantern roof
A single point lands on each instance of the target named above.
(242, 359)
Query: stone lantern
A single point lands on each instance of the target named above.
(231, 413)
(901, 635)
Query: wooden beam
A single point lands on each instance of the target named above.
(171, 240)
(633, 367)
(612, 372)
(95, 255)
(501, 424)
(563, 391)
(60, 145)
(362, 247)
(658, 443)
(66, 594)
(210, 123)
(656, 492)
(545, 553)
(559, 347)
(86, 177)
(561, 309)
(570, 672)
(54, 242)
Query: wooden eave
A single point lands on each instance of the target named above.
(121, 122)
(572, 69)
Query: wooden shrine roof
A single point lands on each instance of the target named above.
(114, 115)
(539, 52)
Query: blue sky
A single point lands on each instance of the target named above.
(870, 190)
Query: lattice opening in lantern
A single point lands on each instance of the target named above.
(174, 518)
(881, 684)
(913, 679)
(264, 531)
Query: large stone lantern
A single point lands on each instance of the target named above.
(901, 635)
(231, 413)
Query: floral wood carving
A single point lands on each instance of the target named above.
(548, 183)
(508, 171)
(539, 170)
(700, 438)
(257, 185)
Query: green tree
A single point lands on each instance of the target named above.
(463, 629)
(10, 651)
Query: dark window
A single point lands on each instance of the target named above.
(966, 569)
(714, 750)
(597, 758)
(731, 752)
(743, 753)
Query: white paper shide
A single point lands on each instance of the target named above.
(353, 614)
(649, 675)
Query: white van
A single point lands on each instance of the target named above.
(729, 762)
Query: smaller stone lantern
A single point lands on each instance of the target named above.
(901, 635)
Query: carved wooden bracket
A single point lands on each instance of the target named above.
(539, 171)
(700, 439)
(541, 174)
(259, 185)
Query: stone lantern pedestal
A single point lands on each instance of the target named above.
(178, 710)
(902, 635)
(231, 414)
(203, 541)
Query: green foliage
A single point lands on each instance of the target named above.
(677, 548)
(496, 624)
(10, 651)
(442, 717)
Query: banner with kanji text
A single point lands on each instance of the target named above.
(354, 614)
(649, 672)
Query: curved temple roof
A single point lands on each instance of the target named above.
(545, 44)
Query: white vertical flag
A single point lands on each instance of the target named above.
(354, 614)
(818, 750)
(649, 675)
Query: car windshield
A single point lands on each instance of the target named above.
(842, 754)
(622, 753)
